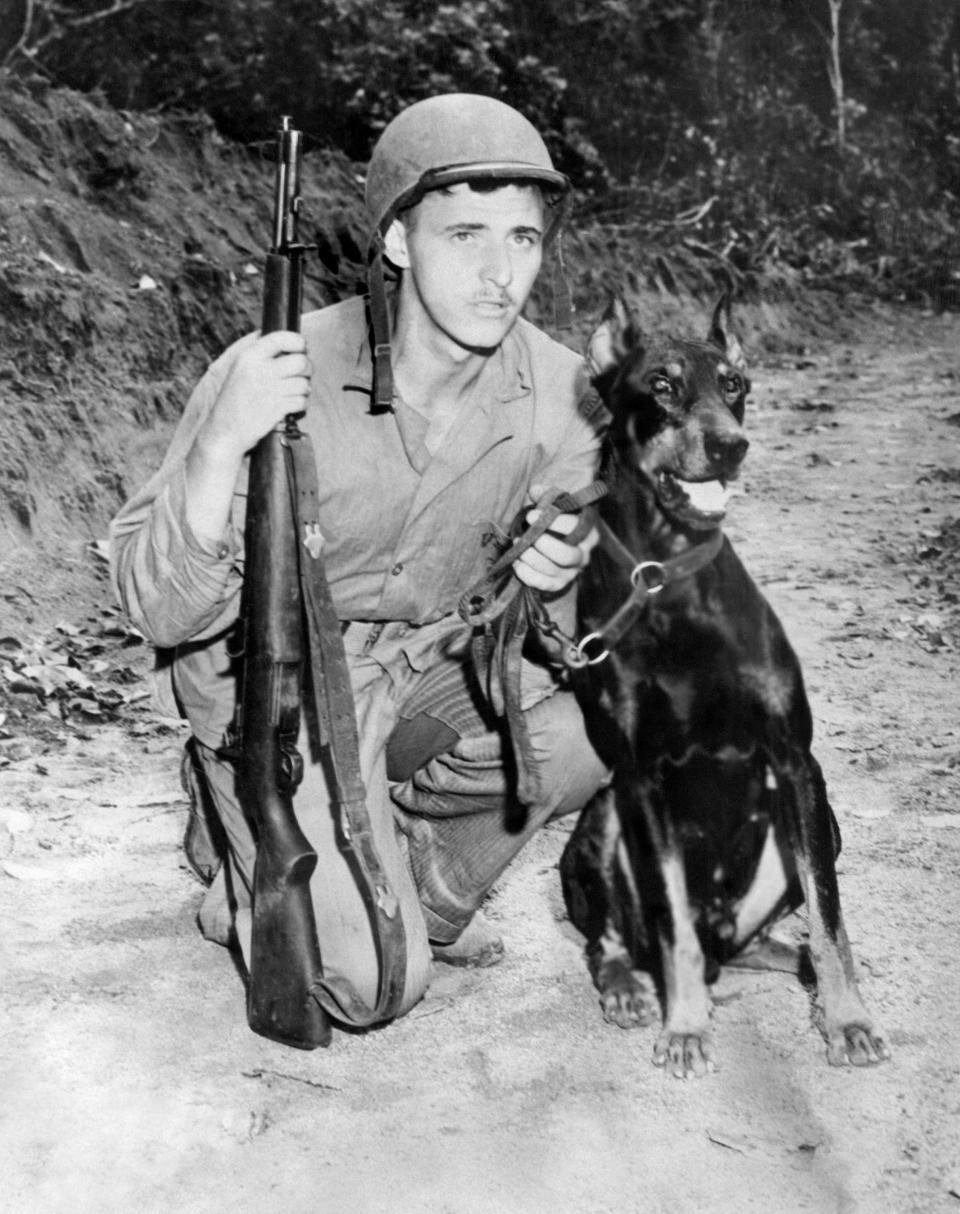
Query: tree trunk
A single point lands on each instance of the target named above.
(835, 72)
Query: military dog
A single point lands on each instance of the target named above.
(716, 821)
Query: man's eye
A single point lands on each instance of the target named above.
(463, 237)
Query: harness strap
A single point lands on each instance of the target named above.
(647, 578)
(332, 696)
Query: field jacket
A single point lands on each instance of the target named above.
(406, 530)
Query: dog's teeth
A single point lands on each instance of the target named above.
(709, 496)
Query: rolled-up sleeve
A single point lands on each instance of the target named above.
(174, 587)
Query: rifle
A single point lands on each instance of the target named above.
(285, 962)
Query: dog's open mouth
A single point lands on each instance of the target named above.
(693, 501)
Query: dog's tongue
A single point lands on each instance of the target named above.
(709, 496)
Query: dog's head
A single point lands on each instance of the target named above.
(677, 410)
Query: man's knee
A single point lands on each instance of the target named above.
(569, 769)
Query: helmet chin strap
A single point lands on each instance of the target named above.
(382, 401)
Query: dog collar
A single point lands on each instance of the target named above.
(647, 578)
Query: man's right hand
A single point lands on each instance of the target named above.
(268, 380)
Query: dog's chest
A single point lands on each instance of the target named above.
(693, 674)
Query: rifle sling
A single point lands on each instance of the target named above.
(332, 698)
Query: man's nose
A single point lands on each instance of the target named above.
(497, 266)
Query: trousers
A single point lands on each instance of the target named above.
(441, 822)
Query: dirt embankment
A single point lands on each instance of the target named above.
(130, 250)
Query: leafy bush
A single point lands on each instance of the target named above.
(720, 114)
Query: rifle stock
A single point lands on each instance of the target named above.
(285, 960)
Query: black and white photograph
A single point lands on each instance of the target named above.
(480, 606)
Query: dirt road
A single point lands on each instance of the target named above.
(131, 1081)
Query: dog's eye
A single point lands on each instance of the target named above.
(732, 385)
(660, 384)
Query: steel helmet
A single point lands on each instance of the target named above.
(443, 141)
(449, 139)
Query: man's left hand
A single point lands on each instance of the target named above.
(551, 563)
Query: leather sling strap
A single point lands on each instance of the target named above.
(332, 698)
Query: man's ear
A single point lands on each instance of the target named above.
(395, 245)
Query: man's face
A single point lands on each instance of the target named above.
(469, 260)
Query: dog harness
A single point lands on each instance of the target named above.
(501, 598)
(647, 578)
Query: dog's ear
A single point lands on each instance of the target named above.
(721, 335)
(614, 336)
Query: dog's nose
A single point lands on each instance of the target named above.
(726, 450)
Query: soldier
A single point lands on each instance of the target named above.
(437, 414)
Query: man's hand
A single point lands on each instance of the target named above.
(551, 563)
(268, 380)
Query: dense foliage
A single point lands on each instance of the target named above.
(820, 133)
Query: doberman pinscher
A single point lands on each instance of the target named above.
(716, 822)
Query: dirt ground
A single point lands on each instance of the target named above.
(131, 1080)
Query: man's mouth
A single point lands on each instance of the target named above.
(693, 500)
(492, 305)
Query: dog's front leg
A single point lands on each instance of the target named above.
(603, 900)
(628, 996)
(847, 1026)
(685, 1046)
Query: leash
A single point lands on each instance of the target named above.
(500, 596)
(486, 601)
(333, 702)
(647, 578)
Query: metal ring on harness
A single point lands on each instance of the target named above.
(576, 656)
(639, 572)
(476, 604)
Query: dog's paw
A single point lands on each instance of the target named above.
(685, 1055)
(628, 998)
(856, 1045)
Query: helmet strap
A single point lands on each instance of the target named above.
(382, 399)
